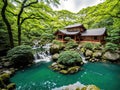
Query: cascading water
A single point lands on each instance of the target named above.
(41, 55)
(83, 58)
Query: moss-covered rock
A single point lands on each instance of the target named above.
(11, 86)
(84, 88)
(111, 56)
(77, 88)
(2, 85)
(5, 78)
(54, 49)
(97, 54)
(55, 57)
(73, 69)
(88, 53)
(83, 50)
(57, 67)
(92, 87)
(64, 71)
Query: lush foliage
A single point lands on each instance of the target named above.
(69, 58)
(57, 42)
(89, 45)
(71, 44)
(20, 55)
(111, 46)
(39, 19)
(67, 38)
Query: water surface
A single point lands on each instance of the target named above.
(40, 77)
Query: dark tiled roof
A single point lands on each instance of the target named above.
(74, 25)
(69, 33)
(94, 32)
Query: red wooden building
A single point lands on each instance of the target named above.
(79, 33)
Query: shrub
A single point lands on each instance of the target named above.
(97, 46)
(60, 44)
(71, 44)
(88, 45)
(67, 38)
(69, 58)
(111, 47)
(56, 42)
(20, 55)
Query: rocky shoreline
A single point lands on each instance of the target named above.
(96, 53)
(78, 86)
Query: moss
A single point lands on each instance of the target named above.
(77, 88)
(73, 69)
(64, 71)
(2, 85)
(11, 86)
(5, 78)
(84, 88)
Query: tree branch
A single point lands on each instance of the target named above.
(30, 17)
(11, 12)
(31, 4)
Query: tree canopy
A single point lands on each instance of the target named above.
(34, 19)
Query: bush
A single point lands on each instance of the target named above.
(60, 44)
(71, 44)
(20, 56)
(56, 42)
(88, 45)
(97, 46)
(67, 38)
(69, 58)
(111, 47)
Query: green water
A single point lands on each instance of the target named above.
(40, 77)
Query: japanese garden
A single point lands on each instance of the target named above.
(46, 49)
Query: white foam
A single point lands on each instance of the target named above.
(71, 86)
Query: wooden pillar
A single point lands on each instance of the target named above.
(62, 37)
(75, 37)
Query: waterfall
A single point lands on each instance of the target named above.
(83, 58)
(43, 55)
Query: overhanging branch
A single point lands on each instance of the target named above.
(11, 12)
(31, 4)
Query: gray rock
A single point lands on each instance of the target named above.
(7, 64)
(111, 56)
(97, 54)
(55, 57)
(54, 49)
(88, 53)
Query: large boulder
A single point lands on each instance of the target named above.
(88, 53)
(55, 57)
(111, 56)
(97, 54)
(54, 49)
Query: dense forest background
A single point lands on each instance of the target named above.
(22, 21)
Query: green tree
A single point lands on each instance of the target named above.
(5, 4)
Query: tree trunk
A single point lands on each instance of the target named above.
(19, 34)
(7, 23)
(19, 25)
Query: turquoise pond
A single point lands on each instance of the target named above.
(40, 77)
